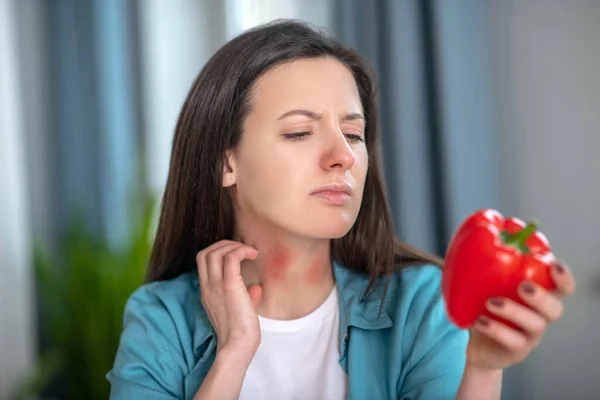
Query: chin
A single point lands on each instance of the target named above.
(332, 228)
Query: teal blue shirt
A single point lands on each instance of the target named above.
(408, 351)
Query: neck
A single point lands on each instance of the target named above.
(295, 273)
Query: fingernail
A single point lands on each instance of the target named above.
(483, 321)
(528, 288)
(496, 302)
(559, 268)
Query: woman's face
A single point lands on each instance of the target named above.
(305, 130)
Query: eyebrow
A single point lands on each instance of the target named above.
(316, 116)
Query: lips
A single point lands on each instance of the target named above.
(335, 194)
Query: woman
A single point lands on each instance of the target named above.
(275, 273)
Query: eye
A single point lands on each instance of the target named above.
(354, 138)
(296, 135)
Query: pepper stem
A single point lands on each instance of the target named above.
(518, 239)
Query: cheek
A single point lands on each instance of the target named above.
(360, 167)
(268, 182)
(254, 173)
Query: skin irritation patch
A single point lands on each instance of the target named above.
(277, 262)
(279, 259)
(315, 271)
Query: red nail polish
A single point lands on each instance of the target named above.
(528, 288)
(483, 321)
(559, 268)
(496, 301)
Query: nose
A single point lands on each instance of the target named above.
(337, 153)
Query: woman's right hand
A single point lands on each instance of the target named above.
(231, 307)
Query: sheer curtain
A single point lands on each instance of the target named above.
(16, 312)
(176, 38)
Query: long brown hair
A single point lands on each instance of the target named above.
(197, 211)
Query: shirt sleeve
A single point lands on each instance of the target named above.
(147, 364)
(436, 347)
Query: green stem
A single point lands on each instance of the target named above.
(518, 239)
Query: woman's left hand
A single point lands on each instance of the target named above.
(493, 345)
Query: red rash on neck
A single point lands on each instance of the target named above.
(278, 259)
(315, 271)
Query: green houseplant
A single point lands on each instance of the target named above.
(82, 298)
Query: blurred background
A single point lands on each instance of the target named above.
(484, 104)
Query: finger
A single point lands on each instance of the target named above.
(219, 244)
(255, 293)
(201, 262)
(564, 279)
(202, 271)
(233, 259)
(527, 319)
(542, 301)
(214, 261)
(510, 339)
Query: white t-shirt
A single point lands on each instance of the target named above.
(298, 359)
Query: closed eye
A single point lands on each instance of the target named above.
(354, 138)
(301, 135)
(296, 135)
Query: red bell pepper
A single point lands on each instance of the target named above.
(490, 256)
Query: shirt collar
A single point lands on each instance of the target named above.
(204, 336)
(355, 309)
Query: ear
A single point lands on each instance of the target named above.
(229, 169)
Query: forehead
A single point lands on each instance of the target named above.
(319, 83)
